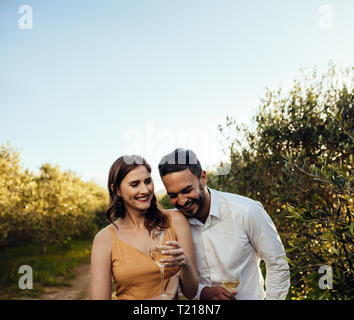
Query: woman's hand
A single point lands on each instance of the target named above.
(176, 258)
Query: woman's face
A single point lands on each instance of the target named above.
(137, 189)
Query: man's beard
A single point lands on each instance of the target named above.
(199, 201)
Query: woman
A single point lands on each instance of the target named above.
(122, 248)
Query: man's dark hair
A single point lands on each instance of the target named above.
(179, 160)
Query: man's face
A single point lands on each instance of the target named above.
(186, 191)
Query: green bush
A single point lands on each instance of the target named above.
(164, 202)
(298, 161)
(50, 207)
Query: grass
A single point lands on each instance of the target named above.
(54, 268)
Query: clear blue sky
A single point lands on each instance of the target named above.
(93, 80)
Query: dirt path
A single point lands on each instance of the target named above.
(78, 291)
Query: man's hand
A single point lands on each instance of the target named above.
(217, 293)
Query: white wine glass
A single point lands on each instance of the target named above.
(231, 281)
(159, 237)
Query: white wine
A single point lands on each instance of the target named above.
(157, 256)
(157, 238)
(230, 285)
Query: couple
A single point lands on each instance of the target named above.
(213, 233)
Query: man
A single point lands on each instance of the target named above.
(229, 231)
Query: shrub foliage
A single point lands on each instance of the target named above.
(50, 207)
(298, 161)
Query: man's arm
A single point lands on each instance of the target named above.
(266, 241)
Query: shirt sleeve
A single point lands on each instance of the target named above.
(265, 239)
(200, 288)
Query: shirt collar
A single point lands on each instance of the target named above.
(214, 204)
(214, 208)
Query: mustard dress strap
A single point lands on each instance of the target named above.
(113, 232)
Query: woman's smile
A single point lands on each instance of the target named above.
(143, 198)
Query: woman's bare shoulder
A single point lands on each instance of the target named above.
(177, 217)
(182, 227)
(104, 236)
(101, 252)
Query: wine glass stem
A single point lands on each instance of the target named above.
(162, 280)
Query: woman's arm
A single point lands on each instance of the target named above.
(171, 289)
(183, 255)
(101, 281)
(172, 286)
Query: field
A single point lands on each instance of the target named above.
(56, 268)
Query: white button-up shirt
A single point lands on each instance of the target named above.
(238, 233)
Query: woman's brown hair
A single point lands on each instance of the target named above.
(154, 217)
